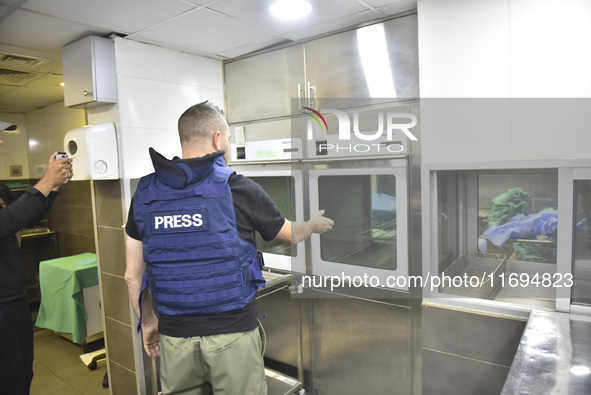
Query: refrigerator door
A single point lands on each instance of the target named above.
(368, 242)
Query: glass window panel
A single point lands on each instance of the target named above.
(447, 223)
(281, 189)
(363, 208)
(517, 215)
(582, 243)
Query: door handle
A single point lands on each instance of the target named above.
(311, 95)
(300, 90)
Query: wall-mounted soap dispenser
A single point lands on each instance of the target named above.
(94, 150)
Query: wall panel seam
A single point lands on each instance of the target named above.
(465, 357)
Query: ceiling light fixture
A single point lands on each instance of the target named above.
(290, 9)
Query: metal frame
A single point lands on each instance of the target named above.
(580, 173)
(397, 169)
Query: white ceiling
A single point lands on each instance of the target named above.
(220, 29)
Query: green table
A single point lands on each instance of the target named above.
(62, 305)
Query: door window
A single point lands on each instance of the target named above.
(363, 208)
(281, 189)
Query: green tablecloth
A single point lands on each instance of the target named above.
(62, 305)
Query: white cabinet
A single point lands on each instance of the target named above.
(89, 72)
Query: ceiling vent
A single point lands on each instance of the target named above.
(14, 77)
(21, 61)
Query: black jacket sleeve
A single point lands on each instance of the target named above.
(25, 211)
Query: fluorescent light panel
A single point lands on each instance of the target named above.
(290, 9)
(376, 63)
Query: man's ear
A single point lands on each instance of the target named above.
(216, 140)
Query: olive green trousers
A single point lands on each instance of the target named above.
(227, 364)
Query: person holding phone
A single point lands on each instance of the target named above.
(16, 325)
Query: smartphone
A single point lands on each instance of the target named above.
(63, 155)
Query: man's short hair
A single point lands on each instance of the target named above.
(199, 122)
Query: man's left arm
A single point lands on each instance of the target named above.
(134, 273)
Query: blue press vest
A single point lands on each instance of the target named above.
(197, 263)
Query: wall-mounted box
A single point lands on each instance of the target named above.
(90, 77)
(94, 151)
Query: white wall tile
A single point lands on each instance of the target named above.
(550, 48)
(187, 69)
(141, 102)
(135, 148)
(109, 113)
(162, 64)
(14, 143)
(15, 146)
(174, 145)
(138, 59)
(19, 121)
(35, 119)
(154, 104)
(216, 96)
(182, 97)
(464, 48)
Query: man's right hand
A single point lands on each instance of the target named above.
(151, 338)
(320, 223)
(57, 173)
(294, 232)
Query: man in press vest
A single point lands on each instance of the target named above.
(191, 238)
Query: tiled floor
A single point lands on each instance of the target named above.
(58, 368)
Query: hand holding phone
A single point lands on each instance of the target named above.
(58, 172)
(63, 155)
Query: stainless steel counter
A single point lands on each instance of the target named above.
(274, 282)
(554, 356)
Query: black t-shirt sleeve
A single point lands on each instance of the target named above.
(255, 211)
(130, 227)
(267, 219)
